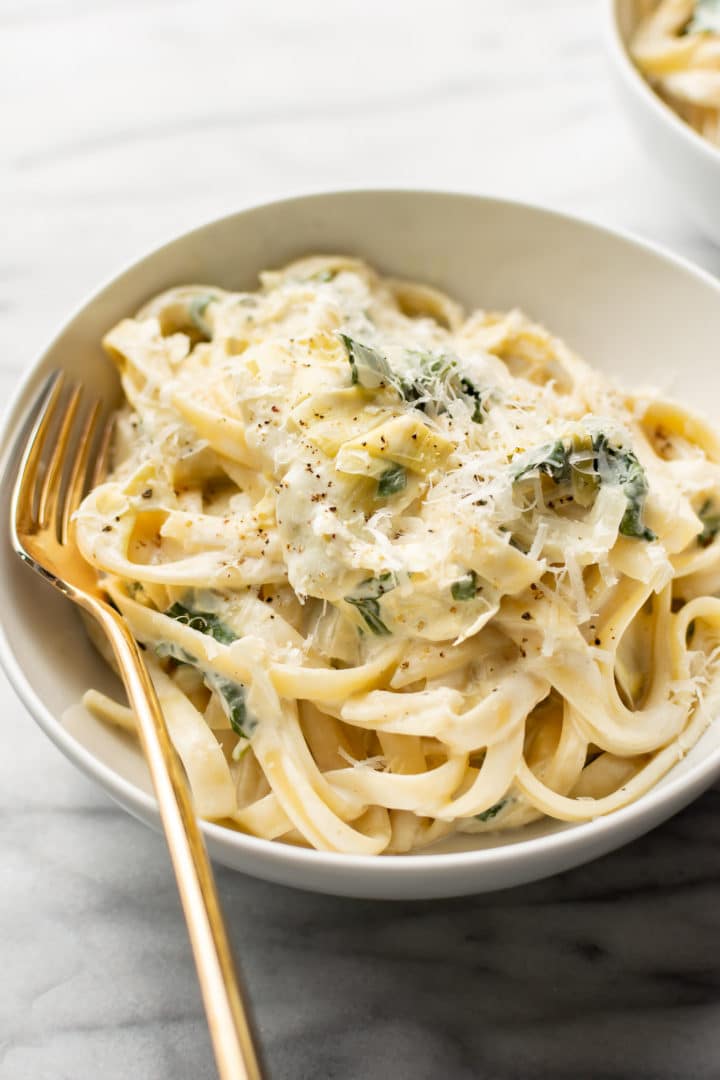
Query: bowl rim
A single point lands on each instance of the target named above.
(639, 85)
(668, 792)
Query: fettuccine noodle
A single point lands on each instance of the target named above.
(398, 571)
(677, 48)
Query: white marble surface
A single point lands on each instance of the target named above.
(122, 122)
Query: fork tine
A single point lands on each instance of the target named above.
(102, 458)
(23, 516)
(78, 473)
(50, 490)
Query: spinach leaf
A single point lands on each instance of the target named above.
(552, 459)
(424, 382)
(367, 601)
(561, 461)
(392, 481)
(230, 693)
(370, 611)
(622, 467)
(493, 811)
(476, 396)
(368, 366)
(164, 649)
(196, 310)
(710, 517)
(431, 377)
(377, 586)
(203, 621)
(466, 587)
(437, 375)
(232, 699)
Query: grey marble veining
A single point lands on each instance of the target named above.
(124, 122)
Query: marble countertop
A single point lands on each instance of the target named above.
(126, 121)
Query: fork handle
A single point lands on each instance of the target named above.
(228, 1014)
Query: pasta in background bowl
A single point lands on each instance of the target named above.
(670, 93)
(676, 46)
(378, 756)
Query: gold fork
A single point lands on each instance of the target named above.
(54, 473)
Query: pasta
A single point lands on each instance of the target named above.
(677, 48)
(398, 571)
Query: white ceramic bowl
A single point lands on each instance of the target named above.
(690, 163)
(628, 308)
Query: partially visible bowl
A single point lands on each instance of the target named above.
(690, 163)
(630, 309)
